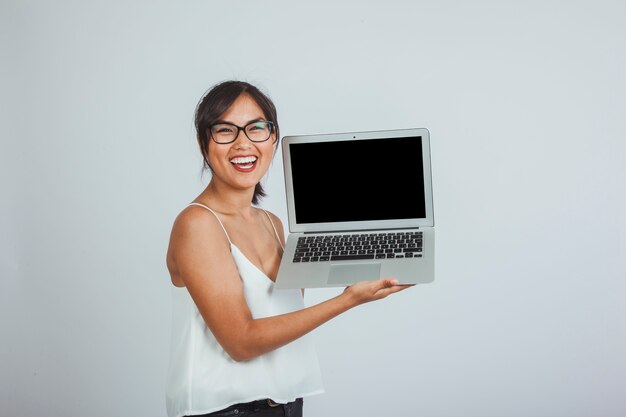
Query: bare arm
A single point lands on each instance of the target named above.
(271, 333)
(202, 257)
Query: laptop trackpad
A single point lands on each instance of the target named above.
(352, 273)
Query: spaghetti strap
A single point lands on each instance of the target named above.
(217, 217)
(274, 227)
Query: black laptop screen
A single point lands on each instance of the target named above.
(358, 180)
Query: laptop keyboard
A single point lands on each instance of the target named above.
(358, 246)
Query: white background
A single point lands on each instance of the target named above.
(525, 102)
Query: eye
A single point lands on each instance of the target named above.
(259, 126)
(224, 129)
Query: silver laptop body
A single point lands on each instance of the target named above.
(360, 207)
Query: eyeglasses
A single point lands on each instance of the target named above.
(258, 131)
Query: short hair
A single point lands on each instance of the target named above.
(216, 102)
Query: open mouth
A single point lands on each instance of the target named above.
(244, 163)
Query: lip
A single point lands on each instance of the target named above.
(239, 167)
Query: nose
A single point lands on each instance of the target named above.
(241, 140)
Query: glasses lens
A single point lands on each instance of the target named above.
(223, 133)
(259, 131)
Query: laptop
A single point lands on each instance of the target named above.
(360, 207)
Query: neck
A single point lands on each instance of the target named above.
(227, 200)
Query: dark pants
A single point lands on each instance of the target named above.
(260, 408)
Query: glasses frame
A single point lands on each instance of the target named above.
(239, 129)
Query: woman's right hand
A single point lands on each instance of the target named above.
(366, 291)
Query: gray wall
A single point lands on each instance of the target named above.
(526, 106)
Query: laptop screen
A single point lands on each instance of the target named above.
(358, 180)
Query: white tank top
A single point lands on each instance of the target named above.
(203, 378)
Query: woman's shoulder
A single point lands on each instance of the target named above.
(194, 231)
(196, 220)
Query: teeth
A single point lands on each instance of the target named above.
(247, 160)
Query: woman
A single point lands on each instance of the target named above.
(239, 345)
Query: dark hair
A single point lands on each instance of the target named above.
(216, 102)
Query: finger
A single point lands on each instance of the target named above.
(402, 287)
(386, 283)
(384, 292)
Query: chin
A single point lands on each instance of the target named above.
(246, 186)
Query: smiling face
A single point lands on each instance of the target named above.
(242, 163)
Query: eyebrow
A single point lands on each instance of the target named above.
(258, 119)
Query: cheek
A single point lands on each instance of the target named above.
(215, 154)
(268, 155)
(271, 149)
